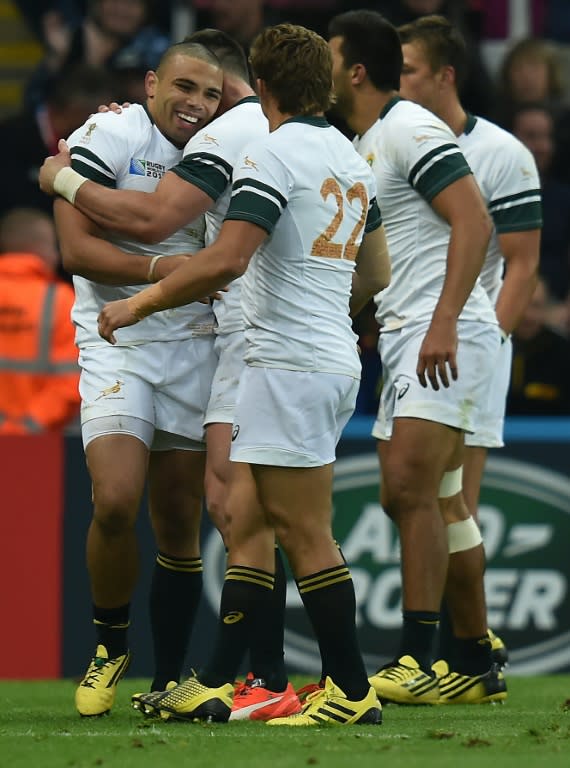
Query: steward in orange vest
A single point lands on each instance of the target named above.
(39, 375)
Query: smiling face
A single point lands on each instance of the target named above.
(418, 81)
(183, 96)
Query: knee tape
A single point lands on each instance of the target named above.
(463, 535)
(451, 483)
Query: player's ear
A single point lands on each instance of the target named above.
(358, 73)
(150, 83)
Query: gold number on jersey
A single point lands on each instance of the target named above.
(356, 192)
(323, 245)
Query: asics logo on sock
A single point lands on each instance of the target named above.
(233, 617)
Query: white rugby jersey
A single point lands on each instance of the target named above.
(508, 179)
(127, 151)
(209, 160)
(306, 186)
(414, 156)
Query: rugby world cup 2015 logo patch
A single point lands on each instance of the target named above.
(140, 167)
(525, 520)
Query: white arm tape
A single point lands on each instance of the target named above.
(67, 182)
(151, 266)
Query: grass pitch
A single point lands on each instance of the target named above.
(39, 727)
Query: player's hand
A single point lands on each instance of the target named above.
(114, 107)
(115, 314)
(215, 296)
(438, 355)
(52, 165)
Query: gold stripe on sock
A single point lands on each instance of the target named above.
(251, 575)
(111, 626)
(324, 579)
(189, 565)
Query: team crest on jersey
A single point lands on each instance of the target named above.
(421, 139)
(147, 168)
(207, 139)
(370, 158)
(248, 163)
(86, 138)
(526, 173)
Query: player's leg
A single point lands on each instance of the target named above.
(246, 596)
(176, 485)
(291, 447)
(217, 478)
(112, 560)
(176, 488)
(411, 476)
(265, 665)
(299, 502)
(488, 433)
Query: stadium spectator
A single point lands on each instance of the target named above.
(533, 124)
(434, 64)
(39, 374)
(30, 135)
(530, 72)
(40, 14)
(434, 314)
(290, 185)
(540, 380)
(117, 35)
(143, 400)
(241, 19)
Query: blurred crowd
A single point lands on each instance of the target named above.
(96, 51)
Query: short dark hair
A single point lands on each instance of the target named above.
(192, 50)
(443, 43)
(370, 39)
(296, 65)
(229, 52)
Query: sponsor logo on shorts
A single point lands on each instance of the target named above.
(114, 389)
(525, 521)
(235, 432)
(403, 391)
(148, 168)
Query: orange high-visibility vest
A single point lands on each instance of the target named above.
(39, 375)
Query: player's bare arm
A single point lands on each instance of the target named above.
(207, 271)
(86, 253)
(462, 206)
(373, 269)
(521, 253)
(148, 217)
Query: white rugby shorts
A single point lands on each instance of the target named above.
(230, 352)
(458, 405)
(290, 418)
(490, 422)
(164, 384)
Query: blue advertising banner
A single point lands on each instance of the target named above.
(525, 520)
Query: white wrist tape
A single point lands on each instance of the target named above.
(151, 266)
(451, 483)
(463, 535)
(67, 182)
